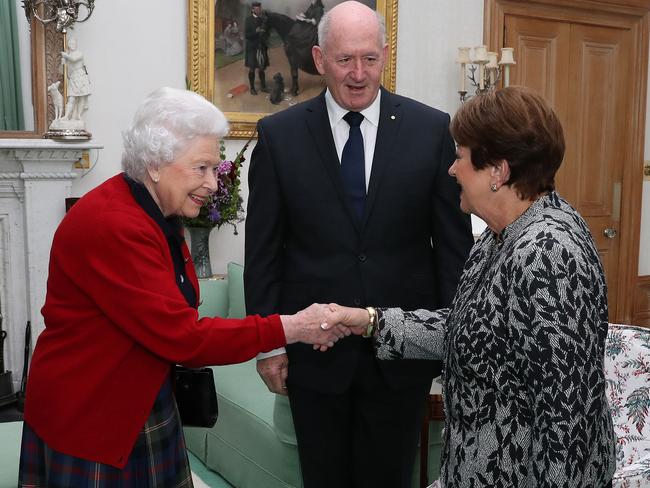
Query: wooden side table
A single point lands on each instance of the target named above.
(434, 412)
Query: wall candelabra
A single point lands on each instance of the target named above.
(482, 69)
(64, 12)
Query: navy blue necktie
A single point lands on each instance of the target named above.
(353, 164)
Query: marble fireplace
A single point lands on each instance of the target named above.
(36, 177)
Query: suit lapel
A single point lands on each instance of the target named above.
(318, 124)
(390, 121)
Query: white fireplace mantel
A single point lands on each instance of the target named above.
(35, 179)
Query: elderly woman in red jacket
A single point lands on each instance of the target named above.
(121, 309)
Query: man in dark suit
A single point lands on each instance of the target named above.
(358, 212)
(257, 54)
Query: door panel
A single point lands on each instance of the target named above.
(593, 124)
(581, 70)
(542, 53)
(598, 115)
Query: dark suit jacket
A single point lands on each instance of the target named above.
(304, 245)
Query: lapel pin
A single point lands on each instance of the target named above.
(392, 117)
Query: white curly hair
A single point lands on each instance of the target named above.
(163, 125)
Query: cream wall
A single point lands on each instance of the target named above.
(128, 57)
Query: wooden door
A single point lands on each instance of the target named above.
(583, 71)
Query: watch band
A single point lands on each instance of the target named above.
(372, 323)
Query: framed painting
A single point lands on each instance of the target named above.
(219, 66)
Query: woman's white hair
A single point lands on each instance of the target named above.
(163, 125)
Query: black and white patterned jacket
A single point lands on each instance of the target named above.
(523, 345)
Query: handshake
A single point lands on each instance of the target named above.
(323, 325)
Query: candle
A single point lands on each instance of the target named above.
(463, 59)
(492, 60)
(462, 76)
(491, 68)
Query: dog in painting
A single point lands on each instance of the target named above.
(277, 89)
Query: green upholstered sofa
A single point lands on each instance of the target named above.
(253, 444)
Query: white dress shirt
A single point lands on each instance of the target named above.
(341, 129)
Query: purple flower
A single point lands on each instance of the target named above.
(225, 167)
(214, 214)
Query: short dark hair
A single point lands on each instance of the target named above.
(256, 4)
(518, 125)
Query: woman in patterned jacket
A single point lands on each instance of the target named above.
(523, 341)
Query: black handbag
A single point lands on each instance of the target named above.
(196, 397)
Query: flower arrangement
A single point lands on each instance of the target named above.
(225, 205)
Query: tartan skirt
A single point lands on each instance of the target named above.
(158, 460)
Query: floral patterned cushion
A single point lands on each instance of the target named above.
(627, 369)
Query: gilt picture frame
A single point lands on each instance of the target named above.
(223, 78)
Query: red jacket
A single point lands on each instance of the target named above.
(115, 321)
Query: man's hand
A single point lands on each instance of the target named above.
(273, 371)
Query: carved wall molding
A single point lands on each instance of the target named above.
(46, 154)
(12, 189)
(39, 176)
(40, 155)
(43, 149)
(53, 48)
